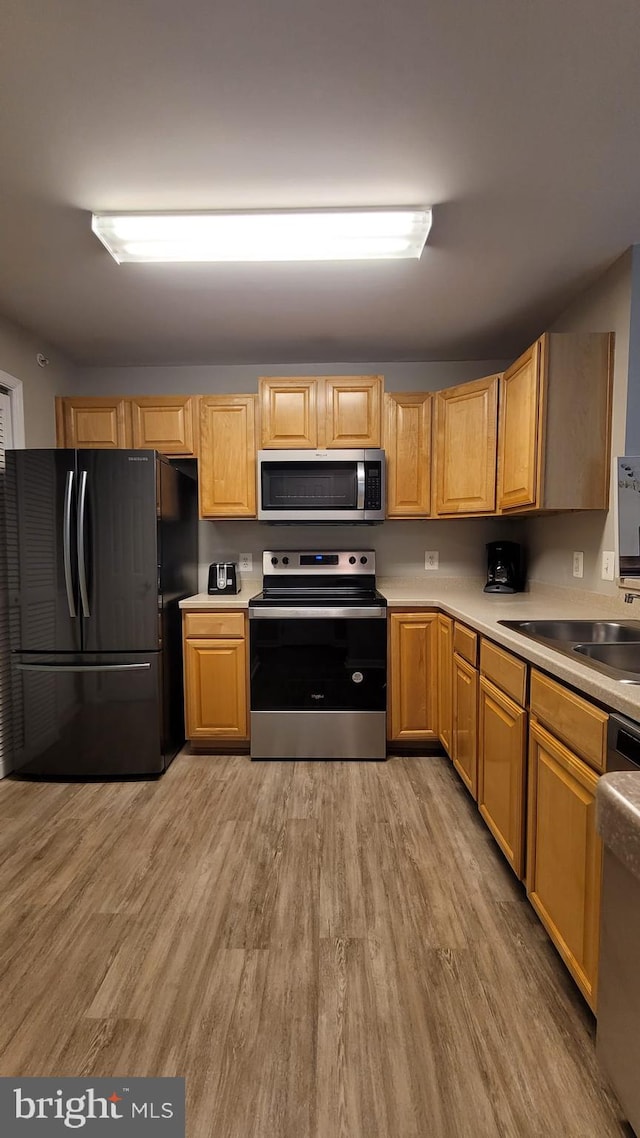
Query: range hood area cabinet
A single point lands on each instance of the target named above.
(555, 425)
(322, 412)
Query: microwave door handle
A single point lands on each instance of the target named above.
(360, 485)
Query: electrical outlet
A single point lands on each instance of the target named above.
(246, 562)
(578, 564)
(608, 565)
(431, 559)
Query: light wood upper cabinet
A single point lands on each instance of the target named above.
(520, 431)
(407, 444)
(167, 423)
(413, 667)
(216, 689)
(502, 757)
(445, 680)
(320, 412)
(352, 411)
(227, 465)
(564, 855)
(288, 413)
(555, 424)
(465, 447)
(465, 722)
(93, 422)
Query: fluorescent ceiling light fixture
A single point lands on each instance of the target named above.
(304, 235)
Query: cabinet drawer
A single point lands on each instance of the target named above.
(577, 723)
(214, 624)
(507, 672)
(465, 643)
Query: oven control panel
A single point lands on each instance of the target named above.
(323, 562)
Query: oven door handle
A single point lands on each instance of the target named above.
(360, 483)
(343, 612)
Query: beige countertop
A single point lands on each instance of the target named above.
(463, 599)
(618, 816)
(203, 602)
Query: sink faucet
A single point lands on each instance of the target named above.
(629, 597)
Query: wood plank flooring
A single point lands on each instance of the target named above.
(323, 950)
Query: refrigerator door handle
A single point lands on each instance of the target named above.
(82, 565)
(66, 543)
(82, 667)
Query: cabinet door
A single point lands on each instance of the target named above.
(407, 443)
(519, 434)
(289, 413)
(215, 689)
(465, 722)
(93, 422)
(353, 411)
(413, 665)
(165, 422)
(564, 855)
(502, 750)
(465, 447)
(227, 465)
(445, 680)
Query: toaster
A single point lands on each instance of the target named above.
(223, 577)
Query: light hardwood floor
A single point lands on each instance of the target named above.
(324, 950)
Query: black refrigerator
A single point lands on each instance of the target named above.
(101, 546)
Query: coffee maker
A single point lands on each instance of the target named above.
(505, 567)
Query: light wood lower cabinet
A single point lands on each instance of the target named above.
(413, 667)
(445, 680)
(227, 466)
(502, 759)
(564, 855)
(465, 722)
(215, 678)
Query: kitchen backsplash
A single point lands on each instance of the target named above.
(400, 545)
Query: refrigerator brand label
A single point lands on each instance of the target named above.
(130, 1108)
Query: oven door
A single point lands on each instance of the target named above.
(318, 663)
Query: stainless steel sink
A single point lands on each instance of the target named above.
(612, 647)
(621, 657)
(578, 631)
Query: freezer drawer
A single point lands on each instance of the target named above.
(88, 716)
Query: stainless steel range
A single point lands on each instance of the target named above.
(318, 644)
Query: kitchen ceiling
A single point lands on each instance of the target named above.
(517, 120)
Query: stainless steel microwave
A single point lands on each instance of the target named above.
(321, 486)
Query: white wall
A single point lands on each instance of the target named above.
(400, 545)
(211, 379)
(551, 541)
(18, 349)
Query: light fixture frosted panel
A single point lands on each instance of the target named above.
(329, 235)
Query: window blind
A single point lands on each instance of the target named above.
(5, 674)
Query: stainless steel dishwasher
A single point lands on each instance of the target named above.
(618, 1032)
